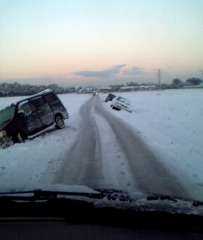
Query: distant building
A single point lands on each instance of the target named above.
(105, 89)
(193, 86)
(127, 88)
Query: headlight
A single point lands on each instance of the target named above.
(3, 133)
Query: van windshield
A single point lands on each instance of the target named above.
(7, 114)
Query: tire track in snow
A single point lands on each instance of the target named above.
(86, 162)
(82, 164)
(148, 172)
(116, 170)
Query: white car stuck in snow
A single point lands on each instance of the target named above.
(119, 103)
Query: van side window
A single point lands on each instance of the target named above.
(50, 98)
(26, 108)
(38, 102)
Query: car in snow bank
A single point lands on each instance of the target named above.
(119, 103)
(110, 97)
(31, 116)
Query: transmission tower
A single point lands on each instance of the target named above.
(159, 78)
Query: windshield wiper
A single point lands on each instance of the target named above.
(109, 197)
(37, 195)
(109, 194)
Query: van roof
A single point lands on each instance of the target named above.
(29, 97)
(36, 95)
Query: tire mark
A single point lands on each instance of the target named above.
(82, 164)
(149, 173)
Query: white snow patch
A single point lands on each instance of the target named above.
(170, 122)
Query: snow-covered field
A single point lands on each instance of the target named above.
(170, 122)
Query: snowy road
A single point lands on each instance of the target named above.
(108, 154)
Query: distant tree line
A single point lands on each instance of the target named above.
(177, 83)
(16, 89)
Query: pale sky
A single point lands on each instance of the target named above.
(100, 42)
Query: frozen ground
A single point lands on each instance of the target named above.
(169, 122)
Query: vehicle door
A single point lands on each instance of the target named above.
(43, 110)
(31, 117)
(54, 102)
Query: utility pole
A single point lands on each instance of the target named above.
(159, 78)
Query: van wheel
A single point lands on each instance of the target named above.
(60, 122)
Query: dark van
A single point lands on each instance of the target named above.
(31, 116)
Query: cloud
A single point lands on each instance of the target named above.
(133, 71)
(101, 74)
